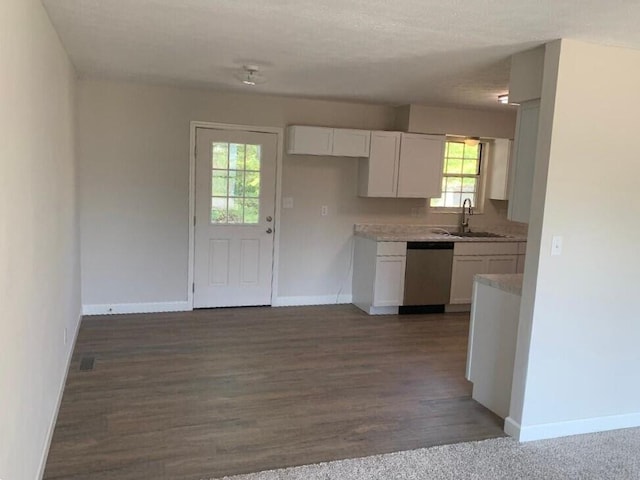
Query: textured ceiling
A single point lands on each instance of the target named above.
(445, 52)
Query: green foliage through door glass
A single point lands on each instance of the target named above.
(235, 183)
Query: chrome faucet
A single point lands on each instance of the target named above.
(464, 224)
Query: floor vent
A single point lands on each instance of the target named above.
(87, 363)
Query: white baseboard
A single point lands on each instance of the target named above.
(310, 300)
(371, 310)
(573, 427)
(112, 309)
(512, 428)
(54, 420)
(457, 308)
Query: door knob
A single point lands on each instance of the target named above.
(269, 218)
(269, 230)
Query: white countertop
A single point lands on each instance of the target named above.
(507, 282)
(423, 233)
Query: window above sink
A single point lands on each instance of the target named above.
(462, 176)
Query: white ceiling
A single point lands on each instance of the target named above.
(445, 52)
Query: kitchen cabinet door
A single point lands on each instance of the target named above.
(499, 159)
(524, 158)
(378, 174)
(389, 282)
(350, 143)
(464, 269)
(304, 140)
(420, 168)
(502, 264)
(520, 266)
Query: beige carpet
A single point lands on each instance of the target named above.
(609, 455)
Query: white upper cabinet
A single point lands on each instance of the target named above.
(499, 160)
(351, 143)
(403, 165)
(421, 165)
(339, 142)
(378, 175)
(524, 158)
(310, 140)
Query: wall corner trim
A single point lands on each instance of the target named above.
(528, 433)
(121, 308)
(512, 428)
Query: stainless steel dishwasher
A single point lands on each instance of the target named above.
(427, 281)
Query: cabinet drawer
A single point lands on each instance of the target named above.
(485, 248)
(502, 264)
(391, 248)
(464, 269)
(522, 248)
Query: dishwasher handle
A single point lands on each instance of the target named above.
(429, 245)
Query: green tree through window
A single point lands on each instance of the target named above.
(235, 183)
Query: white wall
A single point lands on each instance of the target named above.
(580, 370)
(39, 252)
(498, 123)
(525, 80)
(134, 155)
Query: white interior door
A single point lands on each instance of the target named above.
(234, 209)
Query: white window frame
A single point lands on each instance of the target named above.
(480, 192)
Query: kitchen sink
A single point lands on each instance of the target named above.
(478, 235)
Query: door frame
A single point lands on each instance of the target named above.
(279, 132)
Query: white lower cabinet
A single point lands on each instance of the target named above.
(464, 269)
(378, 275)
(470, 259)
(389, 284)
(379, 270)
(502, 264)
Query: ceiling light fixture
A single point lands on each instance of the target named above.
(472, 141)
(504, 99)
(251, 75)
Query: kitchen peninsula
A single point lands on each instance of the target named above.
(493, 333)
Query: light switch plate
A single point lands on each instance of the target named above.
(556, 245)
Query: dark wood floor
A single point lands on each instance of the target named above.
(218, 392)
